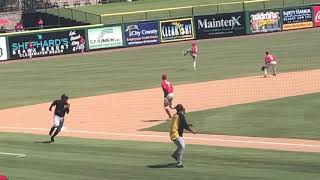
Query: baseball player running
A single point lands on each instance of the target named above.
(168, 94)
(270, 62)
(178, 125)
(193, 53)
(61, 108)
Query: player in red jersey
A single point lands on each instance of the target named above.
(193, 53)
(2, 177)
(30, 49)
(82, 42)
(168, 94)
(270, 62)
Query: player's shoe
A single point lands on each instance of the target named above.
(179, 165)
(52, 139)
(274, 74)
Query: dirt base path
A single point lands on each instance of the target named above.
(119, 116)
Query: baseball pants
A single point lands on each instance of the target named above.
(271, 65)
(180, 149)
(58, 122)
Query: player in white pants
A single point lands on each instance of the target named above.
(193, 53)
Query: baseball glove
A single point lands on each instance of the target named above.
(263, 68)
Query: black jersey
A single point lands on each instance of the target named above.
(61, 108)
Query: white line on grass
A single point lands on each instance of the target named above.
(160, 136)
(13, 154)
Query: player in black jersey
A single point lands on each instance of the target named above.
(61, 108)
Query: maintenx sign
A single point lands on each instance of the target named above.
(220, 25)
(297, 18)
(143, 33)
(45, 44)
(176, 30)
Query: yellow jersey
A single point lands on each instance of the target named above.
(174, 130)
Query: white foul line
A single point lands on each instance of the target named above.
(13, 154)
(160, 136)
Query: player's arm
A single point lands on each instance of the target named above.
(185, 124)
(68, 108)
(52, 104)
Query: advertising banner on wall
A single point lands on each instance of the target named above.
(107, 37)
(3, 49)
(220, 25)
(316, 15)
(264, 21)
(176, 30)
(297, 18)
(45, 44)
(142, 33)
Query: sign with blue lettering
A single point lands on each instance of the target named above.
(45, 44)
(142, 33)
(220, 25)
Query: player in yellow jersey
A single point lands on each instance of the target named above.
(178, 124)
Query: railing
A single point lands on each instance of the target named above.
(186, 11)
(176, 12)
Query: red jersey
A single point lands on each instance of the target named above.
(194, 49)
(269, 58)
(30, 45)
(40, 22)
(166, 87)
(81, 40)
(3, 177)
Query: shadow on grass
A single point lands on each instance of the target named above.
(43, 142)
(158, 166)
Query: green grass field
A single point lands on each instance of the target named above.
(292, 117)
(132, 69)
(83, 159)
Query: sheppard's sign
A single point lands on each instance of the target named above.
(297, 18)
(220, 25)
(143, 33)
(107, 37)
(176, 30)
(45, 44)
(316, 14)
(265, 21)
(3, 49)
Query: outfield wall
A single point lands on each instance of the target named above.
(66, 40)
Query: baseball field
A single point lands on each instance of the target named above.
(248, 127)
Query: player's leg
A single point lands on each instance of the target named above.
(170, 100)
(166, 107)
(59, 127)
(273, 65)
(51, 130)
(180, 150)
(187, 52)
(82, 48)
(174, 155)
(194, 58)
(29, 53)
(266, 67)
(56, 123)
